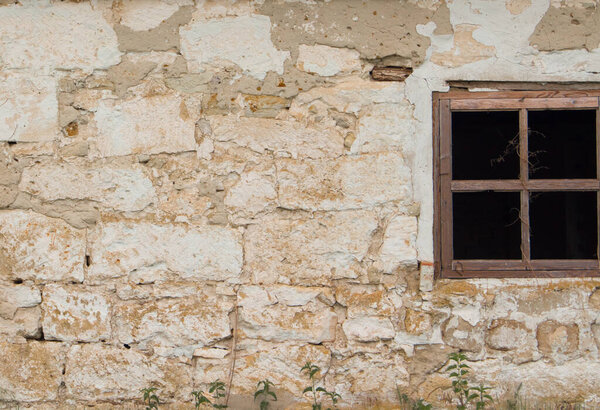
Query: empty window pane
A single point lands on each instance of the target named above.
(486, 225)
(485, 145)
(563, 225)
(562, 144)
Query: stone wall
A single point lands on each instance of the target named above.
(182, 181)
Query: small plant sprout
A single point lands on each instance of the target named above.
(150, 398)
(200, 399)
(263, 390)
(312, 370)
(483, 397)
(217, 390)
(460, 386)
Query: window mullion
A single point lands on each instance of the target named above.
(524, 177)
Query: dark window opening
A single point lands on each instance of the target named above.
(563, 225)
(486, 225)
(485, 145)
(562, 144)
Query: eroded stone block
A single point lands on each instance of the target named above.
(73, 313)
(204, 252)
(33, 246)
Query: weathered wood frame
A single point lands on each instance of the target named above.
(444, 186)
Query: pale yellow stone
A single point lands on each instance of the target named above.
(327, 61)
(33, 246)
(465, 49)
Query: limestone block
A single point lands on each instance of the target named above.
(506, 334)
(308, 251)
(244, 41)
(174, 327)
(72, 313)
(327, 61)
(594, 300)
(459, 333)
(369, 329)
(281, 138)
(17, 296)
(364, 300)
(148, 124)
(253, 193)
(206, 252)
(416, 322)
(100, 372)
(351, 95)
(66, 36)
(28, 106)
(33, 246)
(345, 183)
(30, 371)
(385, 127)
(282, 313)
(399, 244)
(25, 323)
(257, 360)
(122, 188)
(557, 338)
(142, 15)
(371, 374)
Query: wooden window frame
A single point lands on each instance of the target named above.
(443, 105)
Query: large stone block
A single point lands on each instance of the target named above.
(281, 138)
(308, 251)
(399, 244)
(17, 296)
(99, 372)
(459, 333)
(33, 246)
(557, 338)
(174, 327)
(506, 334)
(48, 36)
(353, 182)
(228, 41)
(369, 329)
(116, 187)
(286, 313)
(72, 313)
(206, 252)
(365, 300)
(144, 124)
(25, 323)
(386, 127)
(29, 108)
(30, 371)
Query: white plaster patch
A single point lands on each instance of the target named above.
(327, 61)
(398, 248)
(28, 107)
(142, 15)
(66, 36)
(244, 41)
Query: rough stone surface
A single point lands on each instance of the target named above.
(326, 247)
(58, 36)
(151, 125)
(205, 252)
(74, 314)
(327, 61)
(28, 108)
(119, 188)
(557, 338)
(202, 190)
(99, 372)
(31, 371)
(346, 183)
(39, 248)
